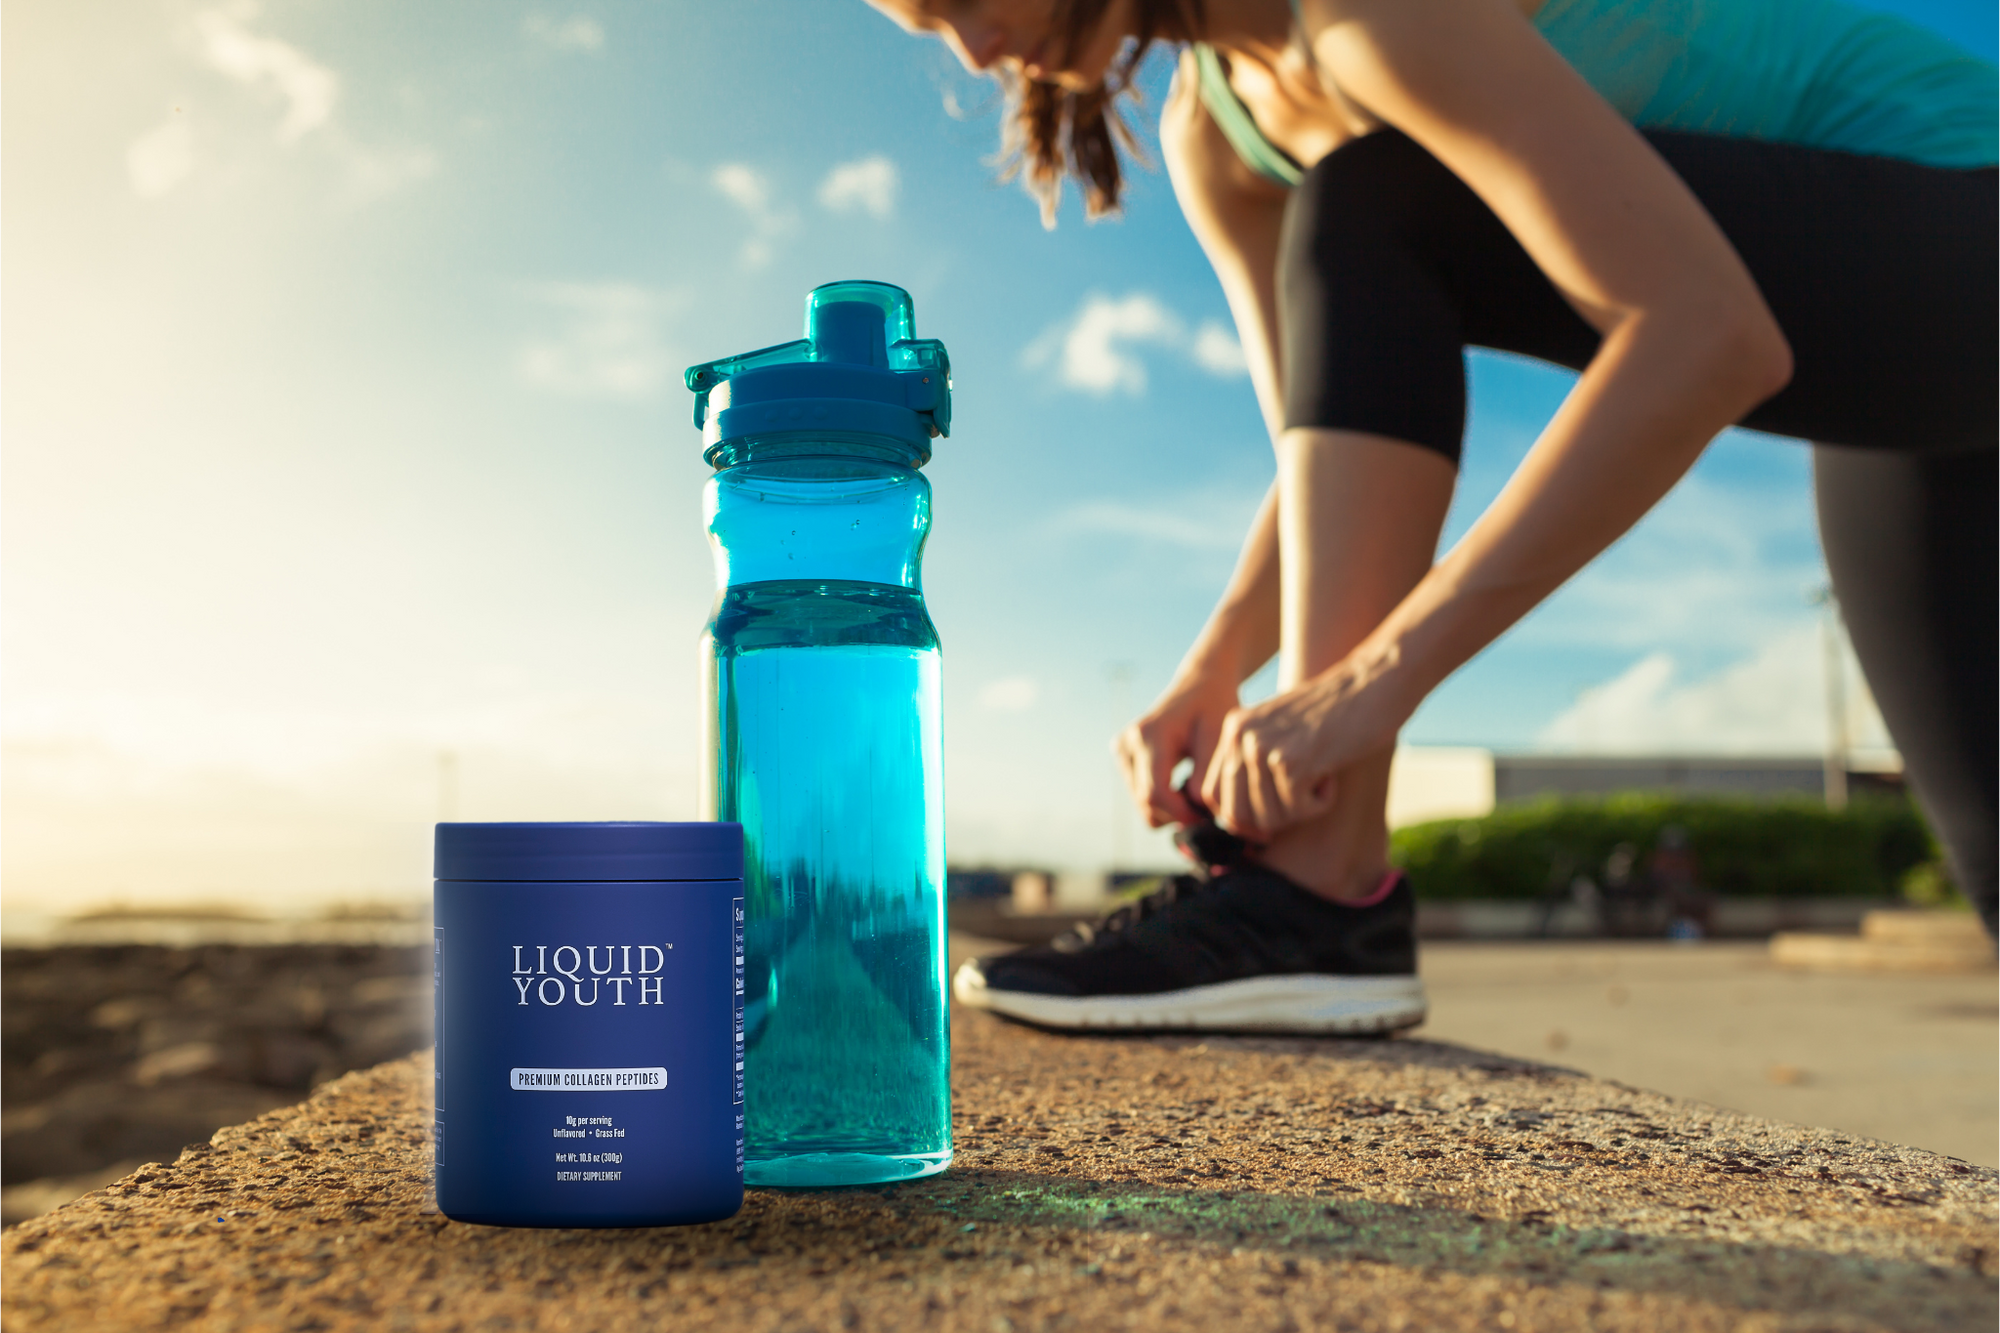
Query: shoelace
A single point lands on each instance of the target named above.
(1177, 889)
(1205, 842)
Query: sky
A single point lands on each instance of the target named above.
(349, 482)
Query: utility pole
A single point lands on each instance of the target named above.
(447, 786)
(1836, 696)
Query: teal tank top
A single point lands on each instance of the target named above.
(1820, 73)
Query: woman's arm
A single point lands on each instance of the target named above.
(1236, 216)
(1689, 347)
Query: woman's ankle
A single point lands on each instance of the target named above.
(1326, 872)
(1343, 855)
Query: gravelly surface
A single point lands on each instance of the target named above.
(1225, 1183)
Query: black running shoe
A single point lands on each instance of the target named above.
(1246, 950)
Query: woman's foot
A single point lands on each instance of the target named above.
(1242, 950)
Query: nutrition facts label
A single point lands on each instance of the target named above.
(586, 1146)
(736, 955)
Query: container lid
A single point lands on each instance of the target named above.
(858, 371)
(588, 853)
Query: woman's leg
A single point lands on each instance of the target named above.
(1358, 523)
(1370, 342)
(1883, 276)
(1913, 544)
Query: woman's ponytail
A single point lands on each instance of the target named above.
(1052, 133)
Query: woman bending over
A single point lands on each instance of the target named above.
(1779, 213)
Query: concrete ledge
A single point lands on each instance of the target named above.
(1163, 1183)
(1902, 941)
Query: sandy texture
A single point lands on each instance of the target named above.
(1146, 1183)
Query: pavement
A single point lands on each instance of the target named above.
(1913, 1059)
(1154, 1183)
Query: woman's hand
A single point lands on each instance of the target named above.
(1275, 764)
(1183, 724)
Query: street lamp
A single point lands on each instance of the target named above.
(1836, 695)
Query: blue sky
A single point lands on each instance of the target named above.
(344, 432)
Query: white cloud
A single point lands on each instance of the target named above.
(1090, 348)
(308, 88)
(1773, 702)
(1199, 522)
(1095, 349)
(161, 158)
(744, 186)
(610, 345)
(578, 32)
(868, 185)
(1217, 351)
(750, 190)
(309, 93)
(373, 172)
(1014, 694)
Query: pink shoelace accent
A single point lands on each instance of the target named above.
(1382, 890)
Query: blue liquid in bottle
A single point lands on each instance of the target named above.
(824, 742)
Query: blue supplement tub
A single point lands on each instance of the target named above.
(589, 983)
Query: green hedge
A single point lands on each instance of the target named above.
(1791, 848)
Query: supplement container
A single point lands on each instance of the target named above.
(824, 681)
(589, 984)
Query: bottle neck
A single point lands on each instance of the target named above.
(833, 516)
(781, 446)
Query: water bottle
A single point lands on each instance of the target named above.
(823, 736)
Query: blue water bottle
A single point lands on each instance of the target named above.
(823, 736)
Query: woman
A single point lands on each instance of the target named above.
(1380, 182)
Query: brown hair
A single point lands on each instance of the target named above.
(1051, 132)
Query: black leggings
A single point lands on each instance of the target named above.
(1883, 276)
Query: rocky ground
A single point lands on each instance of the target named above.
(1155, 1183)
(118, 1054)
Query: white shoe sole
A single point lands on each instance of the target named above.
(1307, 1003)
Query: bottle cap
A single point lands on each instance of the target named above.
(857, 372)
(588, 853)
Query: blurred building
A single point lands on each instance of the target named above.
(1441, 782)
